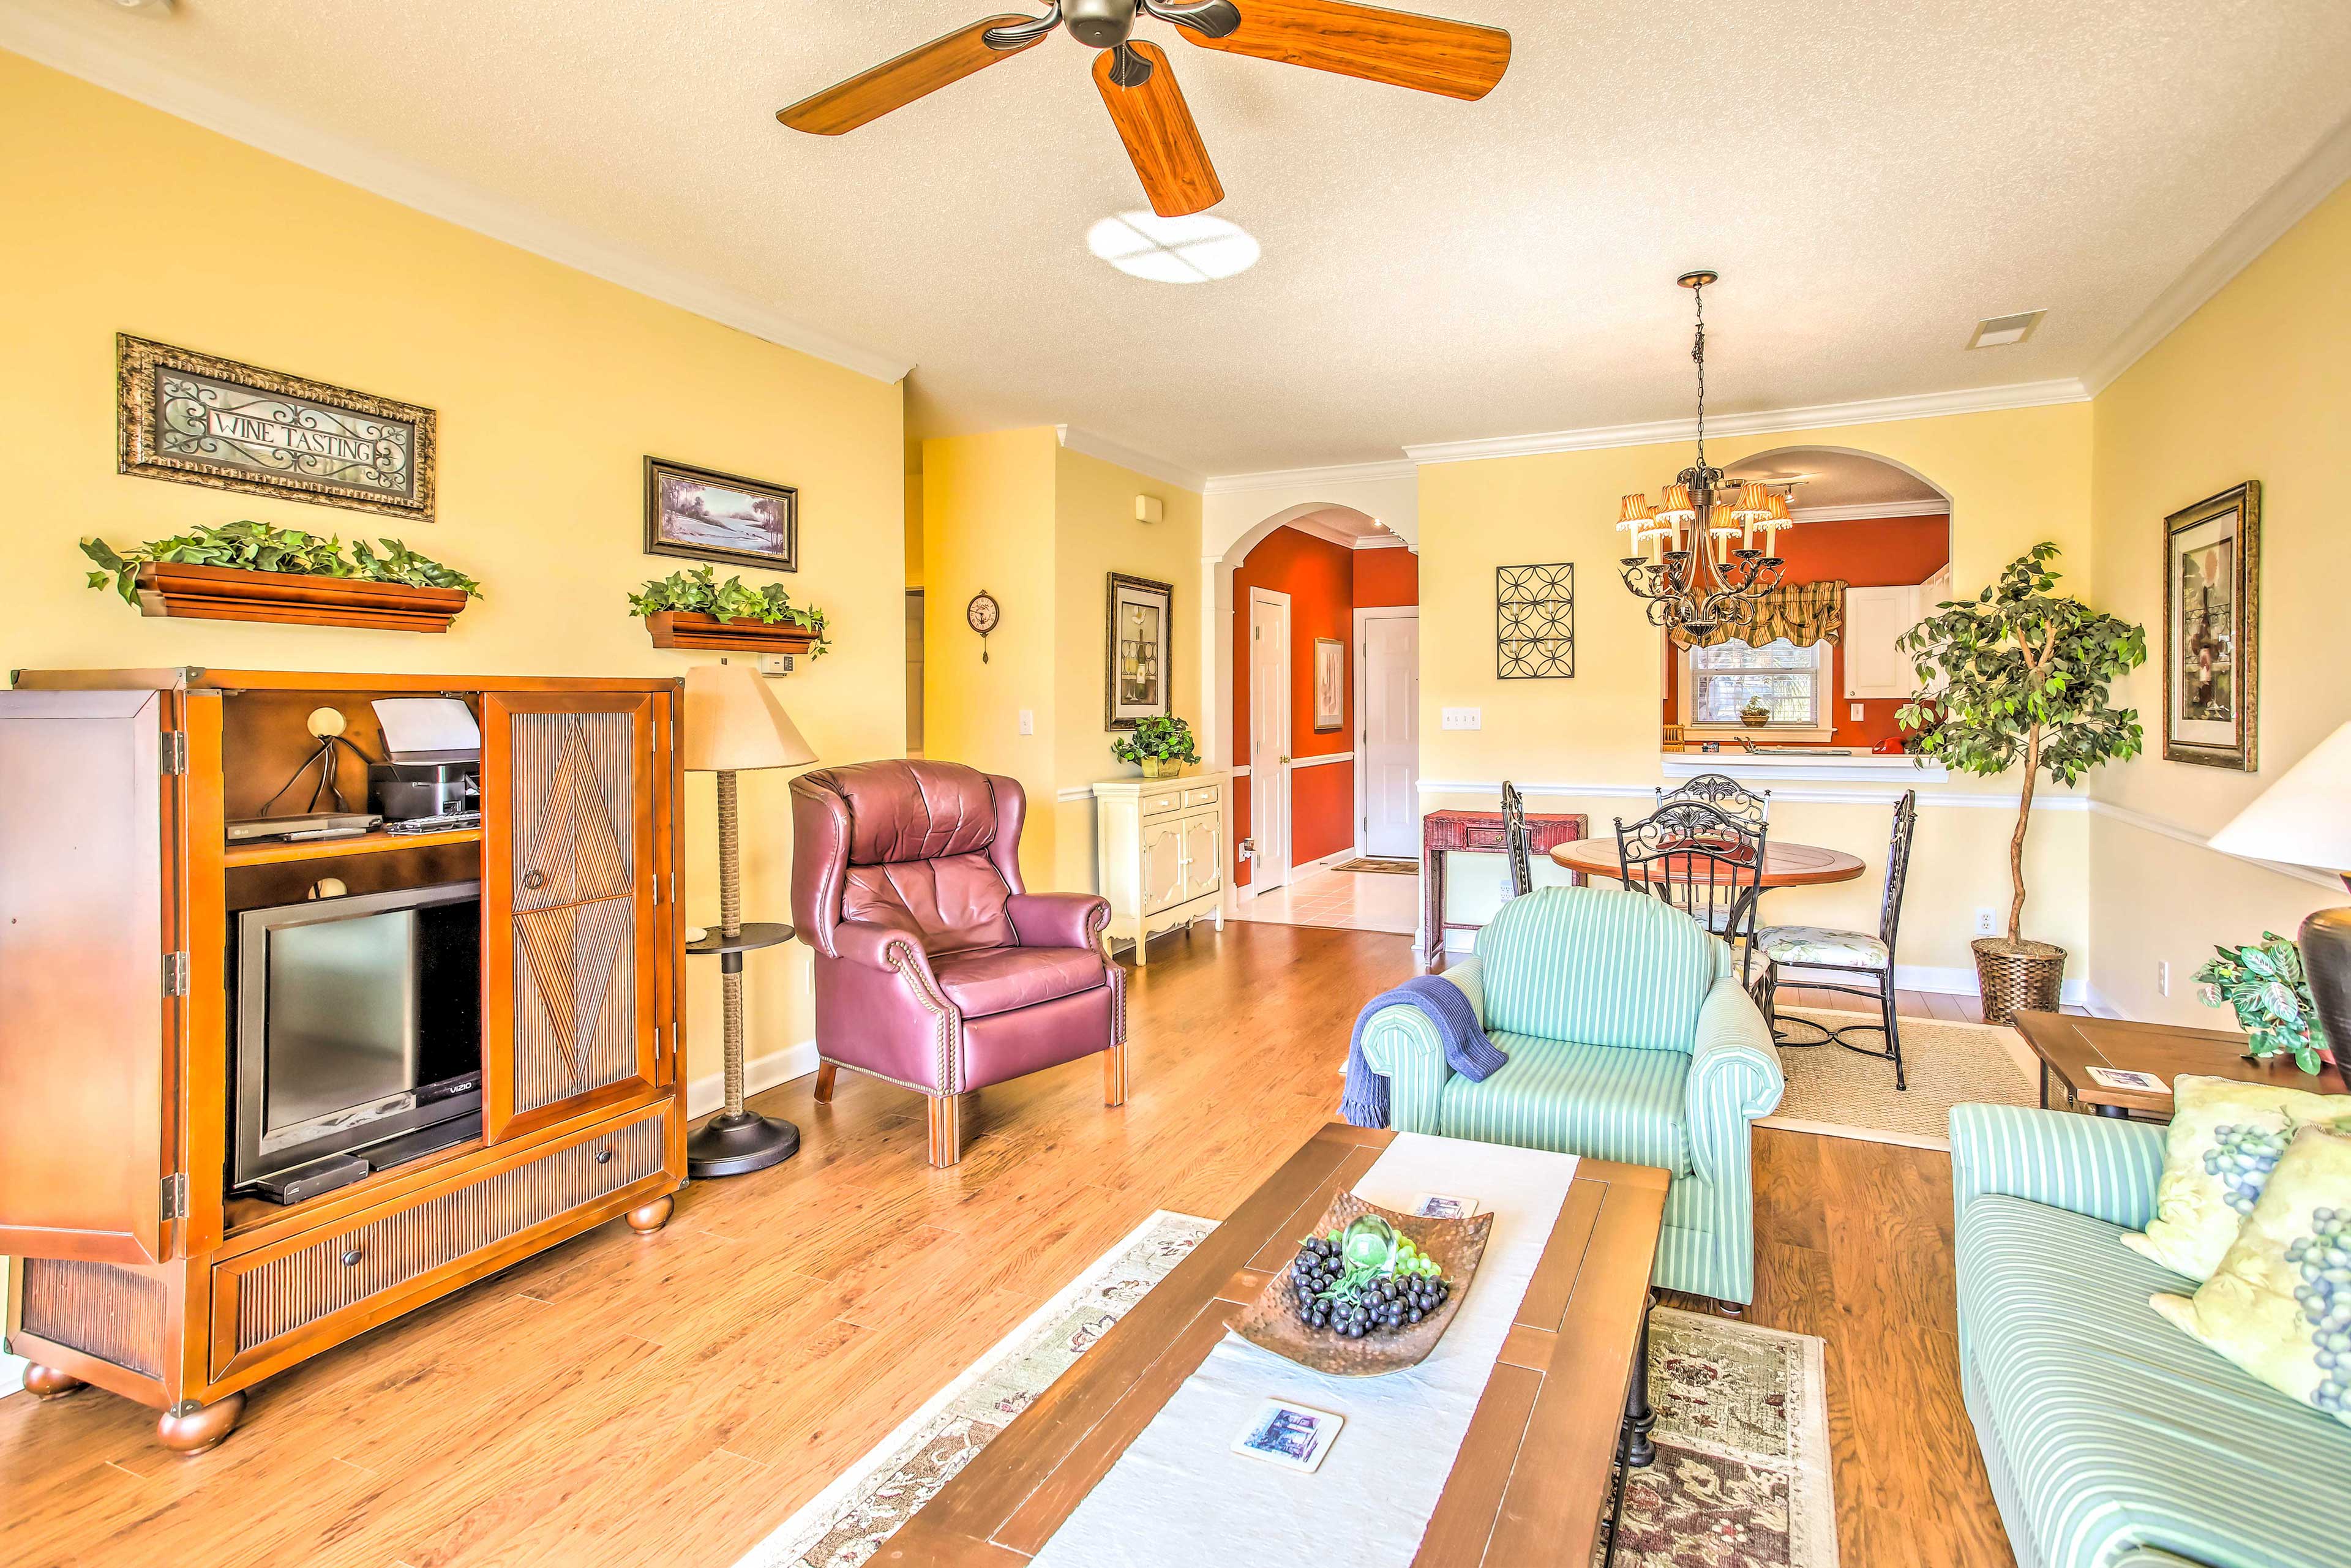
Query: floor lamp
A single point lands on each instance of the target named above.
(2304, 818)
(733, 725)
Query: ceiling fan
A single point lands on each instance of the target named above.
(1457, 59)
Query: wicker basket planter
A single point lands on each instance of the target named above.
(233, 594)
(694, 629)
(2018, 977)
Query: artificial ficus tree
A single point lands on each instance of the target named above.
(2022, 675)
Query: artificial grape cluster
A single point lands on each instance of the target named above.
(1356, 1302)
(2325, 1296)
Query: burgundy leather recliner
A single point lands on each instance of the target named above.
(935, 968)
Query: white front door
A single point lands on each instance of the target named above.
(1388, 760)
(1269, 758)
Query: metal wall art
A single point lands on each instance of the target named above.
(1140, 637)
(196, 419)
(1535, 623)
(2211, 621)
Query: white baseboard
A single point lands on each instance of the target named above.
(12, 1375)
(1336, 857)
(707, 1093)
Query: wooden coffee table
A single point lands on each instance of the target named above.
(2069, 1045)
(1535, 1481)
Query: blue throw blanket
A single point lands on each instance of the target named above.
(1467, 1050)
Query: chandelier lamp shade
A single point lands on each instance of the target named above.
(1693, 558)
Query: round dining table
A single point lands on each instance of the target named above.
(1784, 864)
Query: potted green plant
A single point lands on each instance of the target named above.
(1163, 746)
(247, 570)
(2264, 983)
(2022, 675)
(695, 609)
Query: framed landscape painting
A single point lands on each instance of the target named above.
(2211, 623)
(1140, 636)
(704, 514)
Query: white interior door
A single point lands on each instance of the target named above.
(1269, 738)
(1387, 751)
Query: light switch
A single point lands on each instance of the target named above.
(1465, 718)
(1856, 713)
(1028, 721)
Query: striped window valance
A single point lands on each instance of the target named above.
(1802, 613)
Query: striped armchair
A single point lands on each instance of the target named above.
(1630, 1039)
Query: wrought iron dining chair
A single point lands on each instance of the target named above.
(1702, 861)
(1516, 841)
(1850, 952)
(1726, 794)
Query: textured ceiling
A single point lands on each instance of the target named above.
(1826, 477)
(1869, 178)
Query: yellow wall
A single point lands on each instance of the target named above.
(914, 529)
(2255, 385)
(2013, 477)
(552, 387)
(1040, 527)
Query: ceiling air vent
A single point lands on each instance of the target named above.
(1999, 331)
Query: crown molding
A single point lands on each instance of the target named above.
(1874, 411)
(1341, 537)
(1311, 478)
(1143, 463)
(2264, 223)
(1867, 512)
(68, 50)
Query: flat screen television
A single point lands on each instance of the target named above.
(359, 1024)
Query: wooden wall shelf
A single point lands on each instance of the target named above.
(272, 852)
(693, 629)
(232, 593)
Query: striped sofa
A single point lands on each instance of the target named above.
(2112, 1439)
(1629, 1038)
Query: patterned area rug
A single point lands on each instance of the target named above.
(1388, 867)
(1834, 1092)
(1742, 1479)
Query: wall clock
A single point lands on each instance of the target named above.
(983, 612)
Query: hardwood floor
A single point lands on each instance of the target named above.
(669, 1398)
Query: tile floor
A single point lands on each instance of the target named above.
(1351, 900)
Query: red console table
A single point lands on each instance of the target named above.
(1480, 831)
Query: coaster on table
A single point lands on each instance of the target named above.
(2125, 1077)
(1289, 1435)
(1443, 1206)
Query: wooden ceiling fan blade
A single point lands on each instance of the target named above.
(1427, 54)
(893, 84)
(1156, 125)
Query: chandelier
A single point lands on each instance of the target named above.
(1684, 561)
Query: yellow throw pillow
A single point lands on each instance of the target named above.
(2225, 1139)
(2279, 1304)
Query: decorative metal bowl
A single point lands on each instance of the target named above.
(1272, 1322)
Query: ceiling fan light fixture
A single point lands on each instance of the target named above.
(1195, 249)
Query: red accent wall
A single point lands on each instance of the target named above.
(1869, 552)
(1325, 583)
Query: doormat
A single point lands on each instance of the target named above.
(1386, 867)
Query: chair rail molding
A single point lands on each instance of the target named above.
(2194, 840)
(1298, 762)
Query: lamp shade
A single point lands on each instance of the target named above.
(1674, 504)
(2303, 818)
(734, 723)
(1636, 511)
(1752, 502)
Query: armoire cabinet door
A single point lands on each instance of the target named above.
(1203, 853)
(567, 905)
(1163, 863)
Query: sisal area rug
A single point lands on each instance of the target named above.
(1742, 1479)
(1386, 867)
(1841, 1094)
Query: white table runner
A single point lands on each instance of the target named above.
(1179, 1495)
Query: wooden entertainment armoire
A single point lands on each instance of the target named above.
(138, 1269)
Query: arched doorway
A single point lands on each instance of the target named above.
(1864, 520)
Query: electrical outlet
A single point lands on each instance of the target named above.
(775, 663)
(1987, 923)
(2163, 977)
(1465, 718)
(1028, 721)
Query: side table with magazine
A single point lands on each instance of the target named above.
(2117, 1068)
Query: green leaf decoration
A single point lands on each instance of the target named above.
(1169, 739)
(249, 546)
(699, 591)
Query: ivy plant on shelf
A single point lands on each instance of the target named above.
(1162, 747)
(144, 577)
(738, 613)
